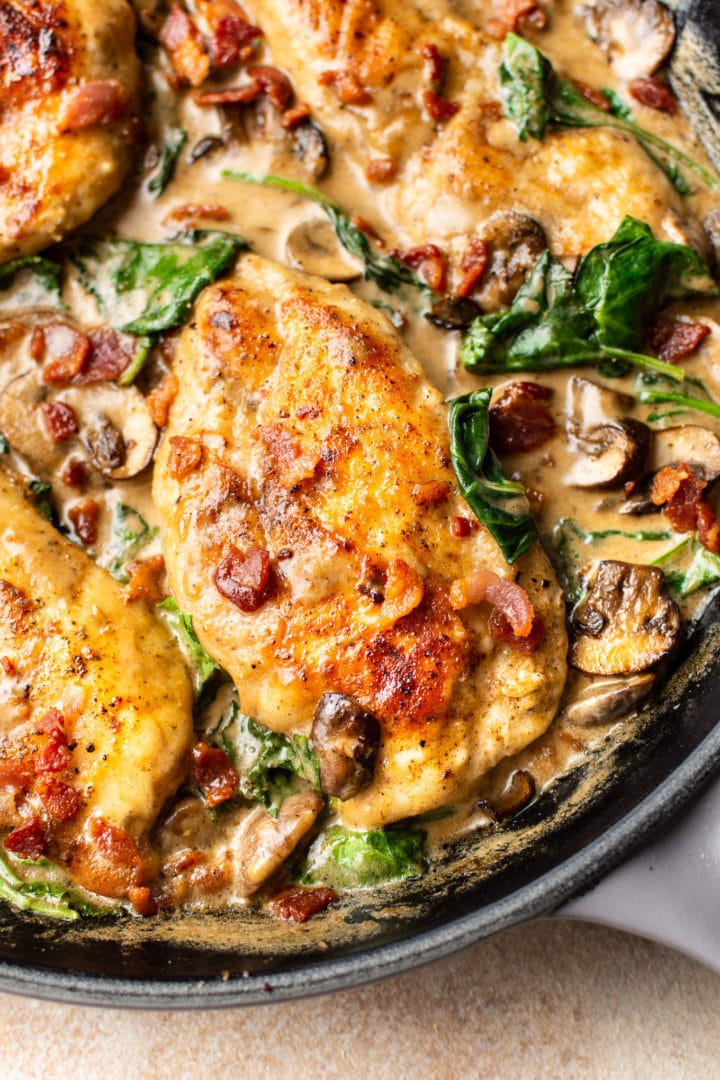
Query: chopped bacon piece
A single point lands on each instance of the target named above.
(16, 774)
(145, 580)
(519, 422)
(595, 97)
(461, 526)
(431, 263)
(348, 87)
(52, 720)
(299, 903)
(115, 844)
(365, 227)
(708, 527)
(509, 597)
(502, 632)
(99, 102)
(474, 262)
(680, 493)
(54, 756)
(75, 474)
(60, 800)
(510, 13)
(274, 84)
(211, 211)
(142, 900)
(184, 861)
(381, 170)
(232, 41)
(292, 117)
(654, 93)
(60, 420)
(84, 517)
(27, 841)
(184, 45)
(161, 398)
(214, 773)
(247, 579)
(109, 355)
(674, 339)
(8, 666)
(66, 350)
(437, 107)
(184, 457)
(37, 343)
(430, 494)
(238, 95)
(434, 63)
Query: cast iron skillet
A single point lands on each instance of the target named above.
(558, 846)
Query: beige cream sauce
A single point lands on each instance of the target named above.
(265, 218)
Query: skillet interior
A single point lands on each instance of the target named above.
(634, 782)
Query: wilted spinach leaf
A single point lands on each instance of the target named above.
(30, 281)
(130, 533)
(182, 624)
(48, 898)
(173, 143)
(689, 567)
(341, 859)
(500, 504)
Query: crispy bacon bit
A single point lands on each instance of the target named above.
(198, 210)
(292, 117)
(519, 422)
(145, 580)
(474, 262)
(430, 494)
(347, 86)
(239, 95)
(67, 350)
(274, 84)
(502, 632)
(654, 93)
(60, 800)
(184, 861)
(510, 13)
(674, 339)
(84, 517)
(437, 107)
(509, 597)
(142, 900)
(54, 756)
(115, 844)
(299, 903)
(680, 493)
(365, 227)
(27, 841)
(184, 456)
(247, 579)
(60, 420)
(161, 398)
(8, 666)
(37, 343)
(52, 720)
(595, 97)
(16, 774)
(232, 41)
(381, 170)
(184, 45)
(434, 63)
(431, 263)
(214, 773)
(461, 526)
(99, 102)
(75, 474)
(110, 353)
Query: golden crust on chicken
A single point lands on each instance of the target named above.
(308, 502)
(69, 82)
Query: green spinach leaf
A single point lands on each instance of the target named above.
(204, 666)
(173, 143)
(30, 281)
(341, 859)
(129, 533)
(500, 504)
(689, 567)
(524, 76)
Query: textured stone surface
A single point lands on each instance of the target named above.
(548, 1000)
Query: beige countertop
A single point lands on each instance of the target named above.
(550, 999)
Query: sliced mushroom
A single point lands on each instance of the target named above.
(690, 443)
(310, 147)
(606, 699)
(611, 449)
(635, 35)
(267, 841)
(514, 243)
(454, 312)
(313, 247)
(346, 739)
(626, 622)
(114, 424)
(517, 791)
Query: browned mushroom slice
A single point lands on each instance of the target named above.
(610, 448)
(698, 447)
(606, 699)
(625, 623)
(346, 739)
(310, 146)
(514, 243)
(515, 794)
(636, 35)
(313, 247)
(267, 841)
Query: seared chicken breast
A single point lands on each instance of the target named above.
(95, 705)
(415, 101)
(69, 80)
(308, 500)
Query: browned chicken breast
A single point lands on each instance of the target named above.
(311, 529)
(415, 101)
(95, 707)
(69, 80)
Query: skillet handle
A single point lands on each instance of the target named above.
(669, 890)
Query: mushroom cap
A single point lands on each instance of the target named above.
(635, 35)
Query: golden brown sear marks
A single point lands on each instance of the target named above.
(302, 544)
(69, 80)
